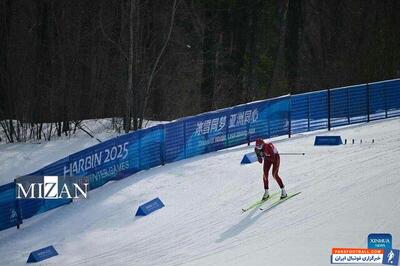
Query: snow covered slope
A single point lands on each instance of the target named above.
(348, 192)
(22, 158)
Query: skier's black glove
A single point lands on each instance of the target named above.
(259, 154)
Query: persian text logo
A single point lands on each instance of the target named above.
(51, 187)
(365, 256)
(357, 256)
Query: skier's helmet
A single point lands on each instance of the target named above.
(259, 144)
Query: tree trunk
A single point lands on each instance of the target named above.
(208, 74)
(129, 87)
(252, 81)
(11, 130)
(278, 72)
(59, 129)
(292, 41)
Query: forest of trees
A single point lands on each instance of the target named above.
(62, 61)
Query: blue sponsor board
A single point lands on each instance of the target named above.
(249, 158)
(327, 140)
(149, 207)
(42, 254)
(380, 241)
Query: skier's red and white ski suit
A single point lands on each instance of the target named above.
(271, 157)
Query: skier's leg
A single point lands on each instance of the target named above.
(275, 172)
(266, 167)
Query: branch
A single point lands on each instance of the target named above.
(108, 38)
(151, 77)
(84, 130)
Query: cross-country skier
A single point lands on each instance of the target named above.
(267, 151)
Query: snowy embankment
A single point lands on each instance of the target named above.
(348, 192)
(23, 158)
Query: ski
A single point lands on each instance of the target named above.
(276, 203)
(258, 203)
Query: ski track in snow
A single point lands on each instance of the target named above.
(347, 192)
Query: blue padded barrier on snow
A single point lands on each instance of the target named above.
(327, 140)
(249, 158)
(149, 207)
(42, 254)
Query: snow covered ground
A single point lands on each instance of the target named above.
(348, 192)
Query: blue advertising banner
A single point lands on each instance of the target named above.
(8, 208)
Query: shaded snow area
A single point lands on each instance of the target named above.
(347, 192)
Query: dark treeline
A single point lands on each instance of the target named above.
(69, 60)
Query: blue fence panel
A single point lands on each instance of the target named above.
(216, 122)
(8, 211)
(94, 162)
(174, 141)
(206, 133)
(30, 208)
(127, 161)
(300, 113)
(196, 135)
(237, 121)
(278, 115)
(129, 157)
(319, 112)
(151, 147)
(377, 101)
(358, 104)
(260, 122)
(392, 92)
(339, 107)
(309, 111)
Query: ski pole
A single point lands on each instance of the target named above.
(292, 153)
(289, 153)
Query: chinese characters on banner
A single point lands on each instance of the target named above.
(219, 123)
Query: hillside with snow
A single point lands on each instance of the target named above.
(18, 159)
(347, 192)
